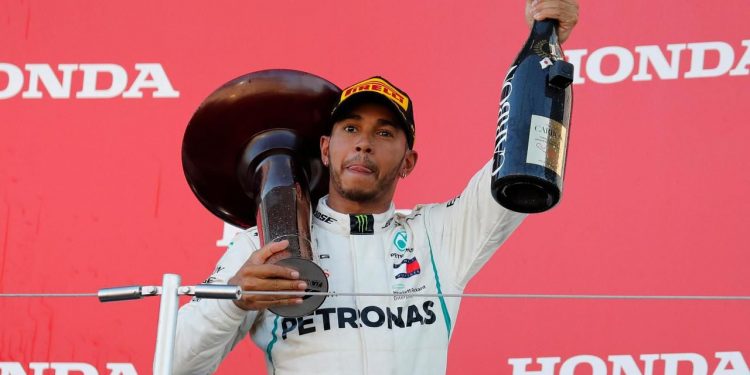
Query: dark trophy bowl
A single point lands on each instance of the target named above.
(251, 155)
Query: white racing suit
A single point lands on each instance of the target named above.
(435, 249)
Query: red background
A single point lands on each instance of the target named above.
(92, 192)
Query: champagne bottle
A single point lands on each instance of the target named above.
(533, 125)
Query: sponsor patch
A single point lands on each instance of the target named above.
(361, 224)
(399, 240)
(324, 218)
(379, 86)
(406, 268)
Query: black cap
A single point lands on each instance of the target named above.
(379, 89)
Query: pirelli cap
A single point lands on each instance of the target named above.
(380, 90)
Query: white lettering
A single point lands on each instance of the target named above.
(624, 65)
(15, 80)
(626, 364)
(654, 55)
(58, 83)
(57, 89)
(741, 68)
(697, 62)
(598, 366)
(38, 367)
(151, 76)
(11, 368)
(121, 369)
(91, 74)
(63, 368)
(548, 365)
(671, 362)
(730, 363)
(664, 61)
(501, 134)
(575, 56)
(733, 359)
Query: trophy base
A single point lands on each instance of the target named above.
(316, 281)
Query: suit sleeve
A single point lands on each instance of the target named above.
(208, 329)
(470, 227)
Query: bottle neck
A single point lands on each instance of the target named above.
(545, 29)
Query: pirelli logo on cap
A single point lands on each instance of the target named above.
(379, 86)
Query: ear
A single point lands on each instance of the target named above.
(410, 161)
(325, 142)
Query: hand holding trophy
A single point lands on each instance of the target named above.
(250, 154)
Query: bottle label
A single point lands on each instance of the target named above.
(547, 141)
(545, 49)
(501, 134)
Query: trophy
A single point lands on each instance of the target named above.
(251, 155)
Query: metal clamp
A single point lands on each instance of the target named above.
(169, 292)
(211, 291)
(125, 293)
(208, 291)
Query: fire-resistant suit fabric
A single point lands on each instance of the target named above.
(437, 248)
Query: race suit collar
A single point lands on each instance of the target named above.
(359, 224)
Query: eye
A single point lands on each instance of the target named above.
(350, 128)
(385, 133)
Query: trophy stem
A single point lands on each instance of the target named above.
(283, 205)
(280, 187)
(251, 156)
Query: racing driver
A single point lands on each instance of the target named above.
(364, 246)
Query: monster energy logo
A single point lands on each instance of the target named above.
(361, 224)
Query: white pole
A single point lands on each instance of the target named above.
(164, 353)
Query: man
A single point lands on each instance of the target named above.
(363, 246)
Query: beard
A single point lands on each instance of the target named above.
(363, 194)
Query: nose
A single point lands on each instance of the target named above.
(366, 149)
(364, 144)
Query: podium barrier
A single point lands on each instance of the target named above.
(170, 290)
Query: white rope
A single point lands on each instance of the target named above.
(507, 296)
(433, 295)
(43, 295)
